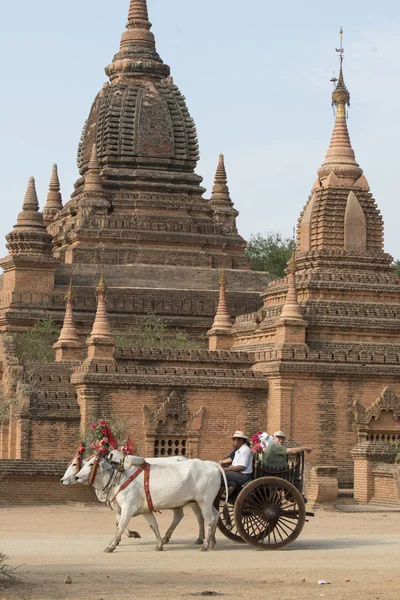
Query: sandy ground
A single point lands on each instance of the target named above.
(54, 542)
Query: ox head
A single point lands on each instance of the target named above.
(72, 470)
(74, 466)
(95, 472)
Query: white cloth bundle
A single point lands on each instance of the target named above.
(265, 439)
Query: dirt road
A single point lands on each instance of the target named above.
(54, 542)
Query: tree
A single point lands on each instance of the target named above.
(397, 265)
(270, 252)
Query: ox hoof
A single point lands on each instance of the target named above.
(109, 550)
(199, 542)
(159, 548)
(133, 534)
(204, 549)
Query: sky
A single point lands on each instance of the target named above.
(256, 76)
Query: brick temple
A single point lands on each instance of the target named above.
(316, 353)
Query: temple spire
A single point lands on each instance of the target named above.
(31, 202)
(220, 192)
(222, 318)
(340, 157)
(138, 17)
(340, 100)
(29, 236)
(291, 308)
(220, 335)
(68, 346)
(54, 199)
(93, 180)
(101, 325)
(101, 342)
(137, 55)
(222, 205)
(30, 218)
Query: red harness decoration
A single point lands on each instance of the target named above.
(147, 487)
(146, 468)
(94, 470)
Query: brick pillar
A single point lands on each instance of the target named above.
(193, 445)
(23, 425)
(3, 441)
(279, 413)
(149, 448)
(366, 455)
(11, 435)
(88, 400)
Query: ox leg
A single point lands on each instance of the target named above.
(150, 518)
(129, 533)
(178, 516)
(124, 519)
(211, 517)
(199, 516)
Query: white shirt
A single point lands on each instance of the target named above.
(244, 458)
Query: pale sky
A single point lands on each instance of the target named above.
(256, 75)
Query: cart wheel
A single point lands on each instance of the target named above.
(269, 513)
(226, 521)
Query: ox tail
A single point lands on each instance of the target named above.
(225, 482)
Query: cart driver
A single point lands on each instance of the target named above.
(238, 469)
(275, 454)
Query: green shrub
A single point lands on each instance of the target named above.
(36, 345)
(152, 332)
(6, 572)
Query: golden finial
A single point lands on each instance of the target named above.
(70, 295)
(222, 278)
(292, 265)
(101, 287)
(341, 95)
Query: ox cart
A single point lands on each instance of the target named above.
(268, 512)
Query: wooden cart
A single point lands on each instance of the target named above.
(268, 512)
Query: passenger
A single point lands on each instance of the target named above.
(275, 454)
(238, 469)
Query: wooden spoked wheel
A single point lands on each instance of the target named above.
(269, 513)
(226, 521)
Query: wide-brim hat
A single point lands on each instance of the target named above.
(240, 434)
(279, 434)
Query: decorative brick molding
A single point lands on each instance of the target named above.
(387, 401)
(173, 419)
(365, 418)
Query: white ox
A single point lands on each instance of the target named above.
(69, 478)
(172, 486)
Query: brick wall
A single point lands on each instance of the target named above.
(318, 411)
(38, 482)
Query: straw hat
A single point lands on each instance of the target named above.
(279, 434)
(239, 434)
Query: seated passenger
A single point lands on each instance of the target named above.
(275, 454)
(238, 469)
